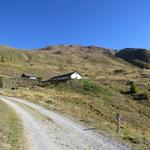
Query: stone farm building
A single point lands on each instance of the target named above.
(29, 76)
(65, 77)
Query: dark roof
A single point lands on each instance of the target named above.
(28, 75)
(64, 75)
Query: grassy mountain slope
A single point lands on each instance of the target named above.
(97, 98)
(136, 56)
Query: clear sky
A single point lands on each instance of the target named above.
(108, 23)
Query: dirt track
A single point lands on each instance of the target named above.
(47, 130)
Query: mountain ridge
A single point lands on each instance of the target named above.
(137, 56)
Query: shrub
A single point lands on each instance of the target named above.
(91, 87)
(58, 52)
(40, 79)
(133, 89)
(2, 59)
(1, 82)
(142, 96)
(119, 71)
(146, 96)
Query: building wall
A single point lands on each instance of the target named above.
(76, 76)
(33, 78)
(19, 82)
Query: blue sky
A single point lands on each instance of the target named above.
(108, 23)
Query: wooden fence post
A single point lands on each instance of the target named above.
(118, 121)
(57, 103)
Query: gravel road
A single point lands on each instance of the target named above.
(47, 130)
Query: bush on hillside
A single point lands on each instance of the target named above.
(40, 79)
(133, 89)
(119, 71)
(91, 86)
(2, 59)
(141, 96)
(1, 82)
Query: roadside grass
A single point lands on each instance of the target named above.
(11, 129)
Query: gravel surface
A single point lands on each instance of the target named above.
(52, 131)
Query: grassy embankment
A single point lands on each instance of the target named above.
(11, 129)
